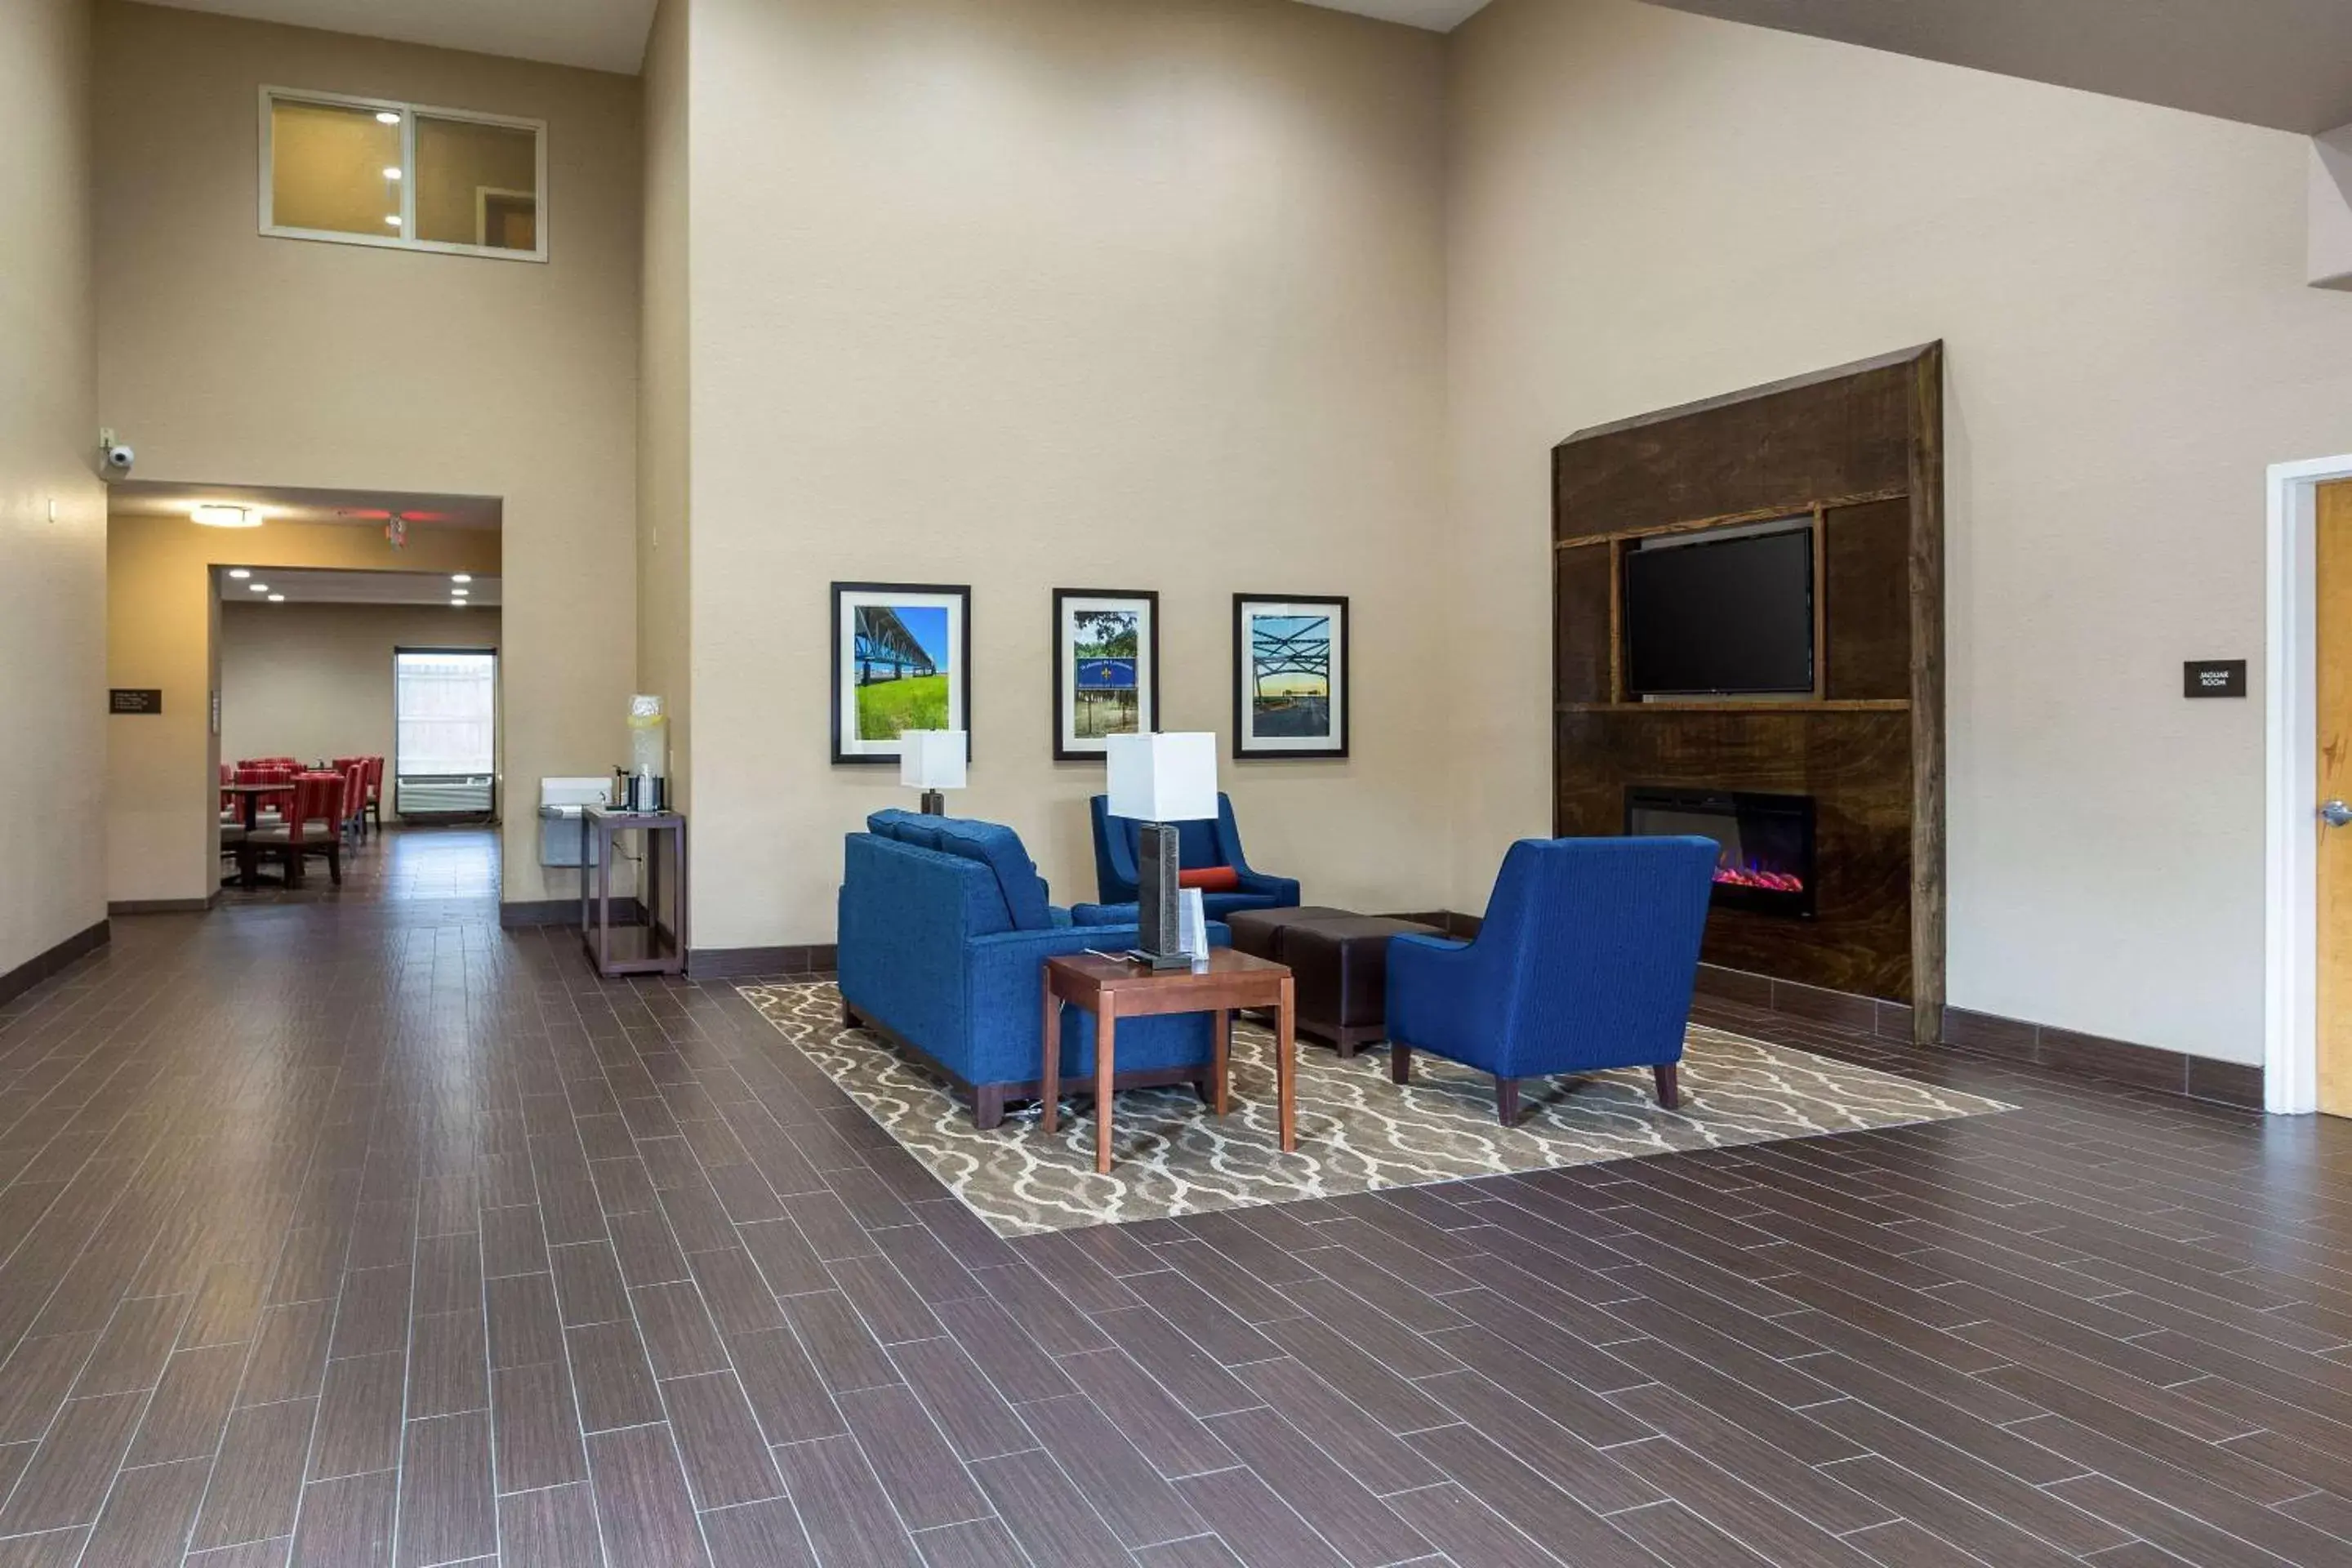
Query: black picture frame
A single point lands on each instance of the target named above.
(1249, 744)
(852, 750)
(1066, 749)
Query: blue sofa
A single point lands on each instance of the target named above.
(1199, 845)
(1585, 962)
(945, 928)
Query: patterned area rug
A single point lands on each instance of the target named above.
(1357, 1131)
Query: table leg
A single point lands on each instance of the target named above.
(1051, 1075)
(1221, 1027)
(1106, 1023)
(248, 866)
(1286, 1064)
(604, 902)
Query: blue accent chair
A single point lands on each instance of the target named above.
(1586, 962)
(945, 928)
(1199, 845)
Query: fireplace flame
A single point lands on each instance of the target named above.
(1754, 876)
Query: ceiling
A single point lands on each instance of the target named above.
(608, 35)
(602, 35)
(1436, 15)
(304, 587)
(2286, 64)
(360, 508)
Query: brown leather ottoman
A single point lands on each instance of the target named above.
(1341, 969)
(1261, 933)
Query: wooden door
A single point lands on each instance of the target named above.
(2335, 975)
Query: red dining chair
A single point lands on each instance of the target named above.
(375, 791)
(354, 817)
(273, 803)
(309, 828)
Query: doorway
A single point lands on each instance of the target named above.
(2308, 746)
(445, 733)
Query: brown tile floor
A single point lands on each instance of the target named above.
(345, 1228)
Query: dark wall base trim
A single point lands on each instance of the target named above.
(2013, 1039)
(745, 963)
(164, 906)
(41, 965)
(564, 912)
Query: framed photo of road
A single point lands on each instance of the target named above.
(1290, 676)
(901, 660)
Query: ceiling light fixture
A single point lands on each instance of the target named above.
(461, 576)
(392, 173)
(459, 592)
(257, 587)
(239, 573)
(456, 604)
(386, 117)
(277, 598)
(392, 218)
(210, 514)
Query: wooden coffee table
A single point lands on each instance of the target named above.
(1116, 988)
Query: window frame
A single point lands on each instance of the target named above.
(405, 239)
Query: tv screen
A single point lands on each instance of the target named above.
(1720, 617)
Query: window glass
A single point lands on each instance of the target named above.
(334, 167)
(477, 184)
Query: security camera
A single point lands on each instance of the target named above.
(114, 458)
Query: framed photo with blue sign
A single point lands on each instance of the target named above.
(1106, 669)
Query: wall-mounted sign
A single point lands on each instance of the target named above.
(135, 699)
(2214, 678)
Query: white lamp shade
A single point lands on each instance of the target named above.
(1163, 778)
(932, 759)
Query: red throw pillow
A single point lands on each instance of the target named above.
(1210, 878)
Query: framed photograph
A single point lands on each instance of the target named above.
(1290, 676)
(1106, 669)
(901, 660)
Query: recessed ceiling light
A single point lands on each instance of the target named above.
(239, 573)
(461, 576)
(257, 587)
(277, 598)
(392, 173)
(392, 218)
(212, 515)
(456, 604)
(386, 117)
(459, 592)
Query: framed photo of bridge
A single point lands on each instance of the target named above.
(901, 660)
(1290, 676)
(1106, 669)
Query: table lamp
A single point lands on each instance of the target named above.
(933, 761)
(1160, 781)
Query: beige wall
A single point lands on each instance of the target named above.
(52, 508)
(230, 358)
(1055, 293)
(163, 621)
(1648, 207)
(315, 680)
(664, 370)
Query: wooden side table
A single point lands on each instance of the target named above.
(653, 955)
(1116, 988)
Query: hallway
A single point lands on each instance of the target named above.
(348, 1228)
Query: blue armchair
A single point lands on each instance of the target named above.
(944, 932)
(1201, 844)
(1585, 962)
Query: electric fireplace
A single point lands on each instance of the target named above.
(1765, 858)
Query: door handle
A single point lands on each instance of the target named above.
(2335, 814)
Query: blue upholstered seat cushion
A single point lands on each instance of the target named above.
(999, 848)
(906, 827)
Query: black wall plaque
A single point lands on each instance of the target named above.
(135, 699)
(2214, 678)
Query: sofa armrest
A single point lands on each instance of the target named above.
(1283, 890)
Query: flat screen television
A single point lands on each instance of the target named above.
(1721, 617)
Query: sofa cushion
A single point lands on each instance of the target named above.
(999, 848)
(906, 827)
(1210, 878)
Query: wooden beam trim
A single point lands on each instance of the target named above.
(1733, 520)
